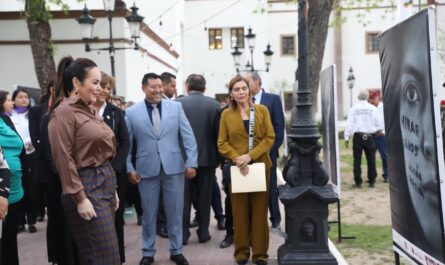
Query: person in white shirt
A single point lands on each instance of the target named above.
(19, 117)
(379, 137)
(363, 122)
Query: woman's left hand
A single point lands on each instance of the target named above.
(243, 161)
(117, 202)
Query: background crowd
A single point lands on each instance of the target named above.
(81, 155)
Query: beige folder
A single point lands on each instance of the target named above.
(254, 181)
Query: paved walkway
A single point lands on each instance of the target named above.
(32, 247)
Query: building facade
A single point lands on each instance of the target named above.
(198, 36)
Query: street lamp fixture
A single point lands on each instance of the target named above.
(250, 37)
(236, 57)
(109, 5)
(306, 194)
(268, 56)
(86, 22)
(351, 81)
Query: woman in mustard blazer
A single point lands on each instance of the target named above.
(249, 209)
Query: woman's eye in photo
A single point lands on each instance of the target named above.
(412, 93)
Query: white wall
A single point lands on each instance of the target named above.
(130, 65)
(282, 19)
(217, 65)
(182, 27)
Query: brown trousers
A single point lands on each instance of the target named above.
(250, 224)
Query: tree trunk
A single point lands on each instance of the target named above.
(41, 45)
(318, 22)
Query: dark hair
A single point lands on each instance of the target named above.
(3, 96)
(233, 81)
(67, 69)
(196, 82)
(256, 77)
(17, 91)
(149, 76)
(119, 98)
(45, 98)
(167, 77)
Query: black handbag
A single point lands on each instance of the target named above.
(227, 164)
(226, 169)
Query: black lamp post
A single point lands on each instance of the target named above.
(86, 22)
(250, 37)
(351, 80)
(305, 195)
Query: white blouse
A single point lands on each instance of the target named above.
(21, 124)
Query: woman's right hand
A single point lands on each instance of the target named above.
(86, 210)
(3, 207)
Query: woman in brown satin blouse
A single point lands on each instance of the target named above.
(249, 209)
(83, 146)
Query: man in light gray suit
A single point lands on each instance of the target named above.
(203, 114)
(160, 128)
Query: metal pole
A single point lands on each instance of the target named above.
(305, 195)
(397, 258)
(111, 49)
(350, 94)
(251, 60)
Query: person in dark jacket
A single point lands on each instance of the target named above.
(35, 114)
(115, 119)
(60, 243)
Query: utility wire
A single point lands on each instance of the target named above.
(163, 13)
(203, 21)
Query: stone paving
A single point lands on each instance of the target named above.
(32, 247)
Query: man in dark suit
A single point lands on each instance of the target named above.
(273, 104)
(203, 114)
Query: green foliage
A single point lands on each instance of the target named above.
(371, 238)
(38, 10)
(52, 47)
(362, 8)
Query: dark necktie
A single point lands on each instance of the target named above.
(156, 118)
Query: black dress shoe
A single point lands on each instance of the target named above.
(163, 232)
(179, 259)
(241, 262)
(227, 241)
(222, 224)
(40, 218)
(276, 226)
(147, 261)
(372, 184)
(357, 186)
(194, 223)
(32, 228)
(261, 262)
(204, 239)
